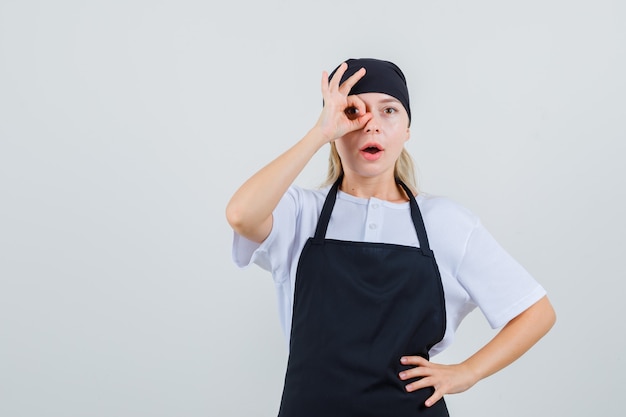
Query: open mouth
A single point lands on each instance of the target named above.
(371, 149)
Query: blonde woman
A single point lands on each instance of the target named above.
(373, 279)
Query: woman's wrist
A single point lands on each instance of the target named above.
(318, 136)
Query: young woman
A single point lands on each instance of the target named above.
(373, 278)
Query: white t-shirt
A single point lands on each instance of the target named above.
(475, 270)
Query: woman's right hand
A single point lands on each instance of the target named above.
(250, 210)
(342, 113)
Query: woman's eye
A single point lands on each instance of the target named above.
(351, 112)
(390, 110)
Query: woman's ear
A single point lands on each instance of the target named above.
(408, 134)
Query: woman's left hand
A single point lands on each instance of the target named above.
(515, 338)
(446, 379)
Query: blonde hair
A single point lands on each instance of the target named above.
(403, 171)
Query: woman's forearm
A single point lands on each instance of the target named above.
(249, 211)
(519, 335)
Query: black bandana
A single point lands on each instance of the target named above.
(380, 77)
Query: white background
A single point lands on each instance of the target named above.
(125, 126)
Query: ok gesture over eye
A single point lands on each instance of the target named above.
(342, 113)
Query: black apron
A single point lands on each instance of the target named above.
(358, 308)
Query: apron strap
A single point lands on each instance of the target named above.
(327, 209)
(418, 221)
(416, 216)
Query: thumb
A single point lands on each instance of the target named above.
(360, 122)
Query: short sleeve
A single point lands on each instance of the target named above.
(273, 253)
(497, 283)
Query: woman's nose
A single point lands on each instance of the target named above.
(372, 126)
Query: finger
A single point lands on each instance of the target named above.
(362, 120)
(414, 360)
(359, 122)
(437, 395)
(422, 383)
(347, 85)
(324, 82)
(334, 82)
(420, 371)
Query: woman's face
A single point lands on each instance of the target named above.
(373, 150)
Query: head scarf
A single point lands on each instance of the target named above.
(380, 77)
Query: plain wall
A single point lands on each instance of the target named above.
(125, 127)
